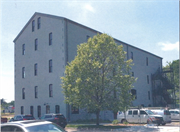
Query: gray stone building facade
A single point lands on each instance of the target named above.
(42, 49)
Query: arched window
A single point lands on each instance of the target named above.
(57, 109)
(47, 109)
(39, 111)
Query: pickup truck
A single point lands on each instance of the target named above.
(139, 116)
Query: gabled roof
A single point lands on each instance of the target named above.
(58, 17)
(40, 14)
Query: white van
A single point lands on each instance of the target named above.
(164, 113)
(139, 116)
(174, 114)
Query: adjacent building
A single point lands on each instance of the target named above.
(42, 49)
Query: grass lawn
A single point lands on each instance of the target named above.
(90, 127)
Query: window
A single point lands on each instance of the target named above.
(142, 112)
(50, 38)
(50, 90)
(130, 112)
(149, 95)
(31, 110)
(57, 109)
(23, 93)
(148, 79)
(146, 61)
(133, 74)
(47, 109)
(39, 23)
(23, 49)
(36, 91)
(87, 37)
(135, 112)
(11, 129)
(36, 44)
(22, 110)
(35, 69)
(132, 55)
(50, 65)
(39, 111)
(74, 110)
(23, 72)
(33, 25)
(133, 92)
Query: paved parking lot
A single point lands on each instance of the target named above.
(134, 129)
(173, 127)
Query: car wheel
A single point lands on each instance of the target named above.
(163, 124)
(148, 122)
(124, 121)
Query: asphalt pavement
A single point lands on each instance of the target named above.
(145, 128)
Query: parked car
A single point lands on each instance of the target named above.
(174, 114)
(21, 117)
(164, 113)
(55, 118)
(139, 116)
(31, 126)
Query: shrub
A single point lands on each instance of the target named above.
(115, 122)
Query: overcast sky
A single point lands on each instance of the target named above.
(151, 25)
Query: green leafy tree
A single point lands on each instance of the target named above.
(174, 77)
(97, 79)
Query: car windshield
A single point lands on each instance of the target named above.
(46, 116)
(176, 112)
(45, 128)
(149, 112)
(28, 117)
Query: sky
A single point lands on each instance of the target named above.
(151, 25)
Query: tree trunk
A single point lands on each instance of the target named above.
(97, 118)
(115, 115)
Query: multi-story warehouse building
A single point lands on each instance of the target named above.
(43, 48)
